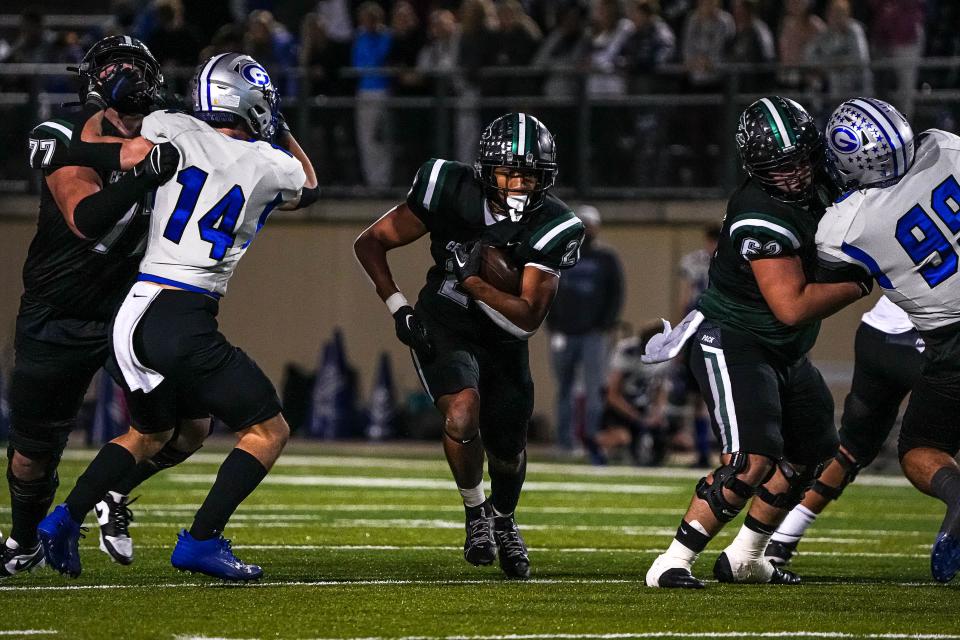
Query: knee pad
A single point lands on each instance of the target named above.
(170, 456)
(511, 464)
(850, 470)
(864, 427)
(35, 491)
(798, 483)
(725, 477)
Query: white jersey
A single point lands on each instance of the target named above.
(905, 235)
(888, 317)
(206, 216)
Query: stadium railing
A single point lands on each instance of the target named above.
(657, 139)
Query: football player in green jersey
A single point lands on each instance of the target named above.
(758, 318)
(467, 338)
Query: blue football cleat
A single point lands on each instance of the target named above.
(212, 557)
(945, 557)
(60, 536)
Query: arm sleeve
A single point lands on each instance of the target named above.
(758, 236)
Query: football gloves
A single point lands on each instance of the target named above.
(466, 259)
(160, 164)
(114, 89)
(412, 333)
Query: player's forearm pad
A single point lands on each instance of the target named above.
(308, 196)
(96, 213)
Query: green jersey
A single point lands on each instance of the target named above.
(450, 202)
(757, 226)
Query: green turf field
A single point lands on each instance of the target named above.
(361, 544)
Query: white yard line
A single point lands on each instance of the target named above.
(669, 473)
(428, 483)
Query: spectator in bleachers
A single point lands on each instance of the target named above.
(338, 16)
(227, 38)
(610, 30)
(752, 42)
(272, 45)
(651, 45)
(371, 48)
(842, 52)
(478, 33)
(519, 39)
(411, 132)
(409, 38)
(897, 33)
(706, 33)
(173, 42)
(329, 136)
(799, 26)
(565, 46)
(442, 51)
(32, 43)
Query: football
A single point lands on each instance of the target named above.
(498, 271)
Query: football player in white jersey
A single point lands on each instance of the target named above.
(900, 223)
(166, 350)
(888, 355)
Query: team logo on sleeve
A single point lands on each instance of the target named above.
(255, 75)
(844, 140)
(751, 247)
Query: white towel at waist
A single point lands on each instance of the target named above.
(135, 305)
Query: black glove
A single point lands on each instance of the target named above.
(160, 164)
(116, 89)
(283, 129)
(412, 333)
(466, 259)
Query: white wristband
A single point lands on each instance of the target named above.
(395, 302)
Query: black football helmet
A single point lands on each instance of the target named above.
(781, 147)
(521, 142)
(122, 50)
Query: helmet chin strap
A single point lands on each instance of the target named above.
(516, 205)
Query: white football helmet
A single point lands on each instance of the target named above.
(869, 143)
(233, 85)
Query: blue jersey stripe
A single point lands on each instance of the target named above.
(867, 260)
(148, 277)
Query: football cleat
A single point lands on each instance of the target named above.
(945, 557)
(668, 572)
(114, 517)
(60, 536)
(754, 571)
(212, 557)
(514, 560)
(780, 553)
(480, 548)
(14, 560)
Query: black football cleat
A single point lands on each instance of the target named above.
(757, 571)
(780, 553)
(114, 516)
(666, 573)
(14, 559)
(514, 560)
(480, 548)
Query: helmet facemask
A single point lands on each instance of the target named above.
(121, 52)
(517, 191)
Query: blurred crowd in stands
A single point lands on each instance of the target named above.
(617, 47)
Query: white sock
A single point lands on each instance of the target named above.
(681, 552)
(748, 545)
(473, 497)
(795, 525)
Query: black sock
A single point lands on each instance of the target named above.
(30, 501)
(239, 475)
(506, 481)
(758, 527)
(167, 457)
(691, 538)
(946, 486)
(105, 472)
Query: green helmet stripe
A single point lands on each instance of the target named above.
(531, 136)
(791, 135)
(516, 136)
(777, 125)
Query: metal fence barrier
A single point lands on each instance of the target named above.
(656, 140)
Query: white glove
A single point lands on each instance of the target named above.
(669, 343)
